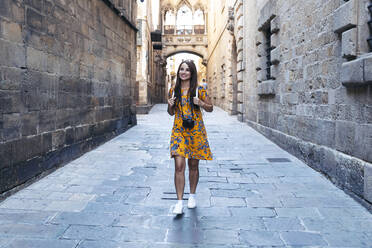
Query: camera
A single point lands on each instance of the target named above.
(188, 123)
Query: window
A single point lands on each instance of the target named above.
(198, 22)
(267, 44)
(169, 22)
(268, 51)
(369, 40)
(169, 18)
(184, 18)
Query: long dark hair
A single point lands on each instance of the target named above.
(193, 83)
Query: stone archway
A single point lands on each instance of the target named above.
(195, 44)
(171, 52)
(183, 29)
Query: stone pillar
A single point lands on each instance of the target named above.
(205, 22)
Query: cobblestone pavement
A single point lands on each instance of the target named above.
(253, 194)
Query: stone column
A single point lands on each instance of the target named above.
(205, 22)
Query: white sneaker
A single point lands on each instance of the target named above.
(178, 208)
(191, 203)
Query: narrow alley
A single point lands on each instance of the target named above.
(253, 194)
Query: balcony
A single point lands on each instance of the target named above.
(191, 38)
(169, 29)
(184, 29)
(184, 39)
(199, 29)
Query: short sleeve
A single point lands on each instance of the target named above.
(202, 93)
(170, 93)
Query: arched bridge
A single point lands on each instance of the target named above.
(183, 28)
(195, 44)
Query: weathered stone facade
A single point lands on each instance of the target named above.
(67, 78)
(225, 55)
(300, 73)
(315, 98)
(150, 86)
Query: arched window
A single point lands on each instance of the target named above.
(170, 19)
(184, 19)
(169, 22)
(198, 17)
(198, 22)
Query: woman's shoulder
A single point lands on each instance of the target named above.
(202, 89)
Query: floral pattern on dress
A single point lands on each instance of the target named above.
(189, 143)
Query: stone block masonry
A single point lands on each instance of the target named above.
(67, 77)
(320, 107)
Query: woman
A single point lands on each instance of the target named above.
(189, 138)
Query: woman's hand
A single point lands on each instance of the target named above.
(207, 104)
(171, 101)
(198, 102)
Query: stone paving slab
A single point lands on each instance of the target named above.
(253, 194)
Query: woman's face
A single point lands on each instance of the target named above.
(184, 72)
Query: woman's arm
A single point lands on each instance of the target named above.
(206, 104)
(171, 104)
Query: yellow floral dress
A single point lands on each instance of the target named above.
(189, 143)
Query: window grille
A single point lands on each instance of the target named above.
(267, 34)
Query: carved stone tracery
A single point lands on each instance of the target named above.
(190, 37)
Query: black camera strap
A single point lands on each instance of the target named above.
(192, 111)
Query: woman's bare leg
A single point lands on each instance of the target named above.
(193, 174)
(179, 175)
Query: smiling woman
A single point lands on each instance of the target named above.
(189, 137)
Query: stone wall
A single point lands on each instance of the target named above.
(150, 63)
(221, 48)
(144, 76)
(250, 97)
(317, 100)
(67, 75)
(159, 91)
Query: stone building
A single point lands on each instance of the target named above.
(303, 79)
(159, 89)
(150, 86)
(67, 79)
(174, 35)
(225, 50)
